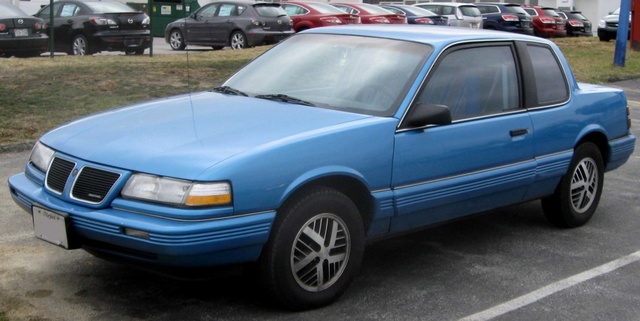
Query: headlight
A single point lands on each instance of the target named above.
(177, 192)
(602, 24)
(41, 156)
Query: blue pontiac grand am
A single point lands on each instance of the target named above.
(331, 139)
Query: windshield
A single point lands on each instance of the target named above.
(418, 11)
(373, 9)
(551, 12)
(470, 11)
(516, 9)
(270, 10)
(357, 74)
(325, 8)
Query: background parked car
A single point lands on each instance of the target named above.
(307, 15)
(546, 22)
(608, 26)
(509, 17)
(371, 13)
(417, 15)
(238, 24)
(576, 24)
(459, 14)
(91, 26)
(20, 34)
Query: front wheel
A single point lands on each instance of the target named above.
(576, 198)
(237, 40)
(176, 40)
(314, 251)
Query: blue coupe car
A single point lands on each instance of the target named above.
(333, 138)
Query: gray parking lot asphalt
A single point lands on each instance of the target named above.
(508, 264)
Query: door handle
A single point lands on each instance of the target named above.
(519, 132)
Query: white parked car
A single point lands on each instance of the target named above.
(459, 14)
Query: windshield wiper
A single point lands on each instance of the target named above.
(286, 99)
(229, 90)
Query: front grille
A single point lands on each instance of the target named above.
(58, 174)
(93, 185)
(89, 185)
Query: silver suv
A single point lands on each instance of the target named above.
(459, 14)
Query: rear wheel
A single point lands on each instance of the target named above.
(314, 251)
(576, 198)
(80, 46)
(176, 40)
(237, 40)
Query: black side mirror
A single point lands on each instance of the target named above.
(427, 114)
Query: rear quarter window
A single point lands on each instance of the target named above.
(550, 80)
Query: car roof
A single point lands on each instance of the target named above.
(436, 36)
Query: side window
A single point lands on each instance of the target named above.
(209, 11)
(434, 9)
(227, 10)
(44, 14)
(69, 10)
(474, 82)
(551, 84)
(293, 10)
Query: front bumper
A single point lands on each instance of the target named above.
(170, 242)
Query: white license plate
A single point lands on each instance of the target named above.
(21, 32)
(50, 226)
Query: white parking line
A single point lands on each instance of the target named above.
(550, 289)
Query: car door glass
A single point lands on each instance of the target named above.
(550, 81)
(227, 10)
(69, 10)
(474, 82)
(208, 12)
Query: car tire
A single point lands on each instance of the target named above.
(300, 250)
(80, 46)
(176, 40)
(237, 40)
(576, 198)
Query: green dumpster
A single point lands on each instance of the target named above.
(167, 11)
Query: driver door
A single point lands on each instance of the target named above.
(484, 158)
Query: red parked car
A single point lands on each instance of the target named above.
(371, 14)
(307, 15)
(546, 22)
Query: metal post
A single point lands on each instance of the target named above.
(51, 36)
(622, 34)
(149, 10)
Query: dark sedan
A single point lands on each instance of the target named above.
(20, 34)
(237, 24)
(577, 24)
(417, 15)
(91, 26)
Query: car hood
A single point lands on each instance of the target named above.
(190, 133)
